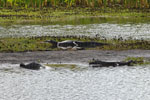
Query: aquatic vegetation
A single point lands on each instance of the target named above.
(72, 67)
(138, 60)
(58, 15)
(68, 66)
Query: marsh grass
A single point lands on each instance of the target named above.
(138, 60)
(36, 43)
(71, 15)
(76, 3)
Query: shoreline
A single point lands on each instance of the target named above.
(63, 14)
(81, 56)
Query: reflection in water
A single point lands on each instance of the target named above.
(111, 83)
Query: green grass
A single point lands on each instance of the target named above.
(35, 43)
(62, 14)
(138, 60)
(76, 3)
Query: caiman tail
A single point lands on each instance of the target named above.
(90, 44)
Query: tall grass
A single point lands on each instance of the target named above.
(69, 3)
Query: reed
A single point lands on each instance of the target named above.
(70, 3)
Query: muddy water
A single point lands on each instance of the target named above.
(102, 27)
(119, 83)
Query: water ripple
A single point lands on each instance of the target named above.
(119, 83)
(107, 30)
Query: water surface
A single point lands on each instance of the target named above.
(113, 83)
(96, 26)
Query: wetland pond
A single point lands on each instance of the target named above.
(85, 83)
(102, 27)
(113, 83)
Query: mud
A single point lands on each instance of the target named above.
(81, 56)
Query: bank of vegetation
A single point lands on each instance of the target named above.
(36, 43)
(37, 11)
(69, 3)
(27, 11)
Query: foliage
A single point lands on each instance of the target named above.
(68, 3)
